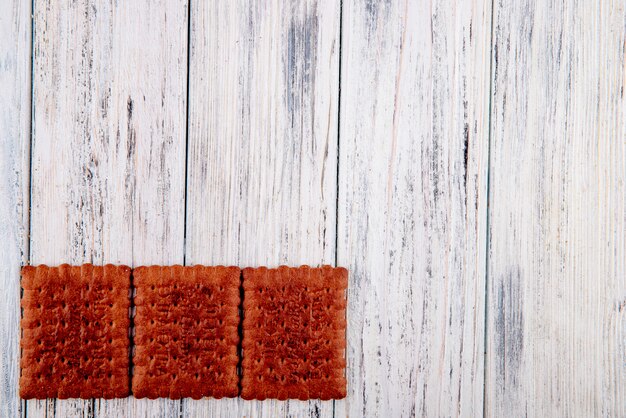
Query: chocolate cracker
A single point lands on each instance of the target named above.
(294, 333)
(186, 332)
(75, 332)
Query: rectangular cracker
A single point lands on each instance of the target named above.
(294, 333)
(75, 332)
(186, 332)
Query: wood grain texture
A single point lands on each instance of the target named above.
(15, 105)
(108, 155)
(557, 250)
(262, 148)
(412, 205)
(410, 217)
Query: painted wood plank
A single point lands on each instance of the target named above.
(108, 156)
(412, 204)
(262, 148)
(15, 105)
(557, 250)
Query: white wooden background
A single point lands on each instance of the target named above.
(466, 160)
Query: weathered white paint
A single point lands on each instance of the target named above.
(262, 148)
(108, 182)
(412, 204)
(15, 69)
(557, 249)
(108, 154)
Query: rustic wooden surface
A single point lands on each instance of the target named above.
(557, 216)
(412, 170)
(108, 148)
(262, 162)
(15, 105)
(465, 160)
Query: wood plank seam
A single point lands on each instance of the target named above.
(189, 8)
(340, 58)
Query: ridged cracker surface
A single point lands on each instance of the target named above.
(294, 333)
(75, 332)
(186, 332)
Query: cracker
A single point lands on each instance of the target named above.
(294, 333)
(186, 331)
(75, 332)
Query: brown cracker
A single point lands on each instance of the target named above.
(75, 332)
(294, 333)
(186, 331)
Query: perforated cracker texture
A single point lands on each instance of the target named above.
(186, 331)
(294, 333)
(75, 332)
